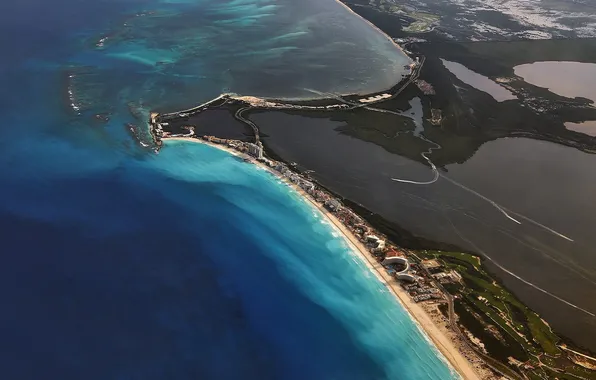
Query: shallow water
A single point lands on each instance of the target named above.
(252, 47)
(187, 264)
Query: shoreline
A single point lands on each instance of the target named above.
(376, 28)
(443, 344)
(295, 101)
(417, 314)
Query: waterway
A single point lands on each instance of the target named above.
(415, 112)
(548, 189)
(251, 47)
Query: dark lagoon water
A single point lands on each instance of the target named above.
(527, 205)
(122, 264)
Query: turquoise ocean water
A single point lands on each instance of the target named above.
(119, 263)
(299, 250)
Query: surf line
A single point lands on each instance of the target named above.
(518, 277)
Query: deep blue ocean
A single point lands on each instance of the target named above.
(119, 263)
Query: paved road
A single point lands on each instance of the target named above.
(199, 108)
(255, 128)
(492, 363)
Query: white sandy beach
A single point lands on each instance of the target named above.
(441, 341)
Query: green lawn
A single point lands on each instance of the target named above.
(501, 308)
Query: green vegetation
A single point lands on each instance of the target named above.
(423, 21)
(392, 132)
(507, 328)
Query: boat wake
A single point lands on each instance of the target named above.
(516, 276)
(493, 203)
(432, 165)
(507, 212)
(503, 210)
(543, 226)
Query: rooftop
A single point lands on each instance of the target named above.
(430, 264)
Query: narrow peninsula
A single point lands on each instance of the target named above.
(480, 327)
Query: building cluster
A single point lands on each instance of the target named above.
(425, 87)
(394, 259)
(252, 149)
(374, 99)
(424, 288)
(301, 182)
(436, 270)
(375, 244)
(448, 277)
(255, 150)
(421, 291)
(159, 133)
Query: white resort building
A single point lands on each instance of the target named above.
(255, 150)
